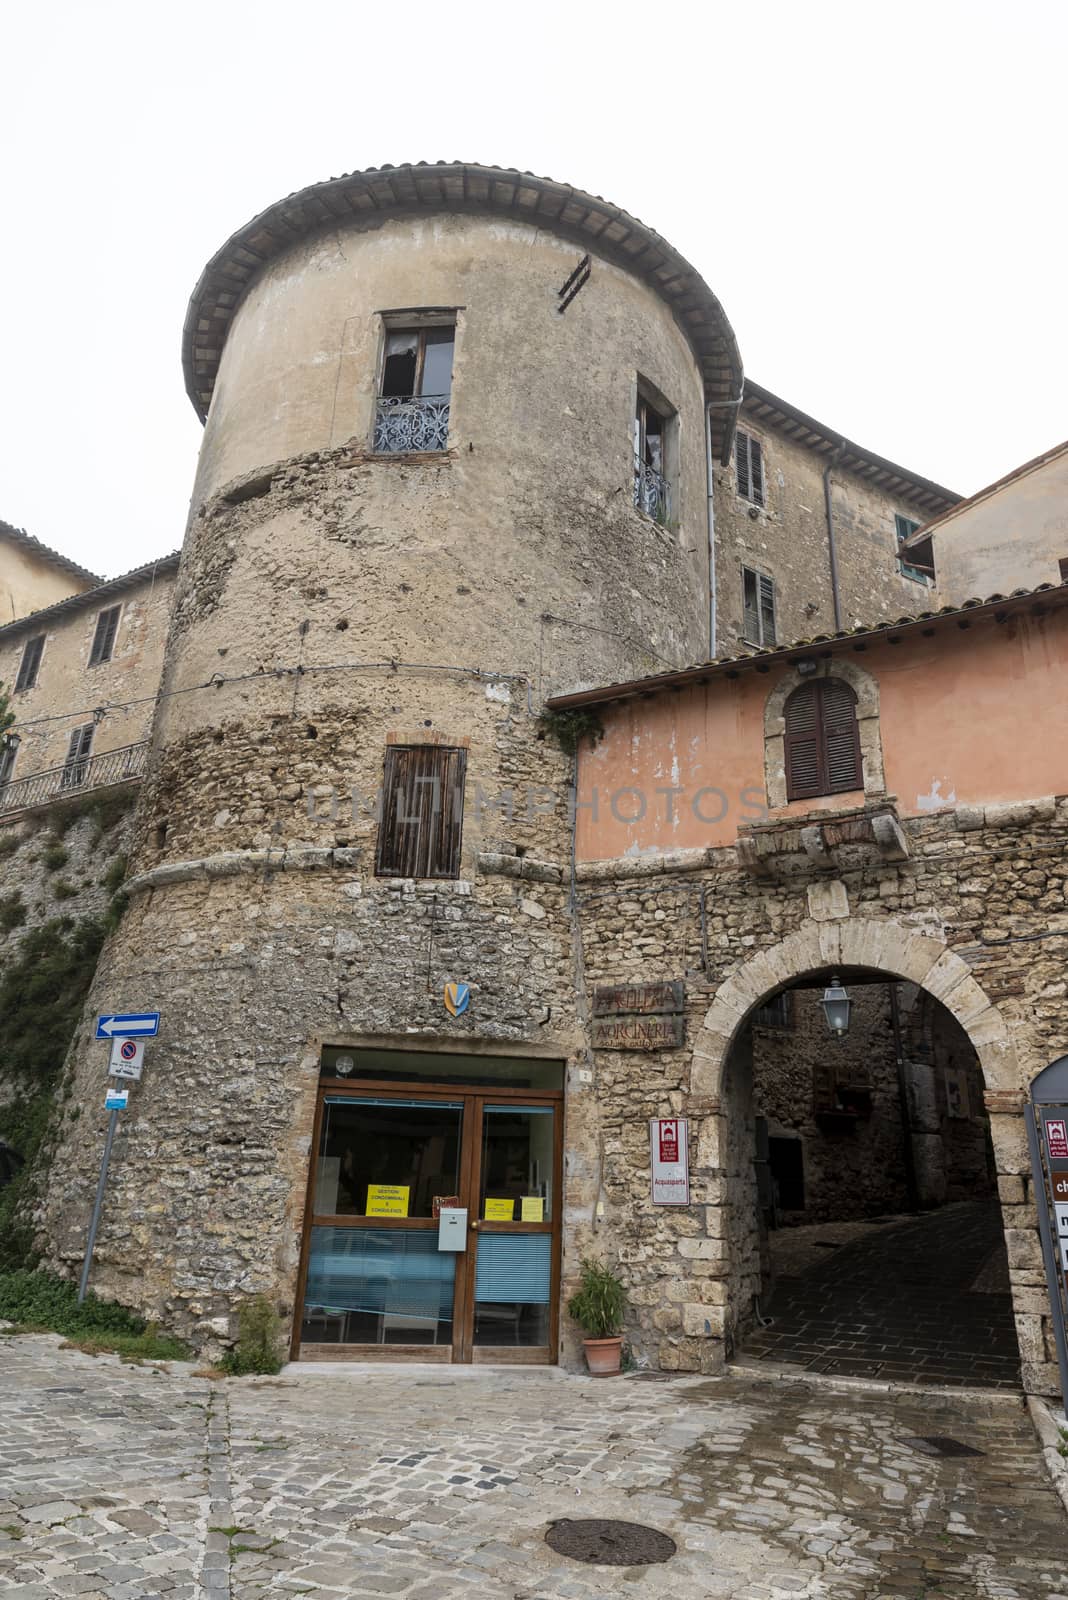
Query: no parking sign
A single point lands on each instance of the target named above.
(127, 1058)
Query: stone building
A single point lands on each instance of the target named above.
(81, 674)
(894, 842)
(1012, 534)
(32, 576)
(475, 444)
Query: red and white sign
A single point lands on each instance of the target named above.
(1057, 1138)
(670, 1149)
(127, 1058)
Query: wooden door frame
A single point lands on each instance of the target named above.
(462, 1350)
(528, 1355)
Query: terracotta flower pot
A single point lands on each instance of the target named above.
(603, 1356)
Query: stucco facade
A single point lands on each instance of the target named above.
(33, 577)
(1012, 534)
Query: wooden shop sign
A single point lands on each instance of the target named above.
(638, 1016)
(610, 998)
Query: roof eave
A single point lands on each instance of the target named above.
(822, 646)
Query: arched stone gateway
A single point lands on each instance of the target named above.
(718, 1271)
(882, 946)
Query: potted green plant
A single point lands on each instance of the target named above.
(598, 1306)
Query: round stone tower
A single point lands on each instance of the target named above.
(455, 459)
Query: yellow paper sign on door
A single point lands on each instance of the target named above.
(532, 1208)
(500, 1210)
(387, 1199)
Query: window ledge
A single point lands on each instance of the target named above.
(413, 457)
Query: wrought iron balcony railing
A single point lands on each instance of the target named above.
(55, 783)
(411, 422)
(651, 491)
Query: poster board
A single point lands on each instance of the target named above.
(387, 1199)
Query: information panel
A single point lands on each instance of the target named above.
(670, 1149)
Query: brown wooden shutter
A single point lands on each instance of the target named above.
(822, 745)
(803, 764)
(841, 736)
(422, 812)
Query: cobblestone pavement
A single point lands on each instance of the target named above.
(907, 1303)
(437, 1484)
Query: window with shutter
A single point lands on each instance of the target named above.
(758, 607)
(76, 765)
(822, 744)
(909, 562)
(749, 465)
(422, 812)
(107, 625)
(30, 664)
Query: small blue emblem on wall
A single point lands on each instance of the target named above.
(457, 998)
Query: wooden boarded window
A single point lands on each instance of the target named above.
(422, 812)
(822, 740)
(30, 664)
(749, 465)
(107, 625)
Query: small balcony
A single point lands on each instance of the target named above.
(405, 424)
(58, 783)
(651, 493)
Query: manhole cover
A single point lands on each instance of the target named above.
(940, 1444)
(610, 1544)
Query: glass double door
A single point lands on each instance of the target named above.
(378, 1276)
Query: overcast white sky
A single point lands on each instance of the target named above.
(875, 191)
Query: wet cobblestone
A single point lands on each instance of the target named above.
(122, 1481)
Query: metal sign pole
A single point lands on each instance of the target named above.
(113, 1121)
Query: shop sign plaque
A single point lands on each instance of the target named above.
(641, 998)
(638, 1016)
(637, 1033)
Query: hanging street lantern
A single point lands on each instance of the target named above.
(836, 1008)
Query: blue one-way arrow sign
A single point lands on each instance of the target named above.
(127, 1025)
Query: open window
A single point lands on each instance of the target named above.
(916, 561)
(758, 607)
(653, 422)
(415, 389)
(822, 741)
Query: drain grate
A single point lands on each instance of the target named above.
(941, 1444)
(610, 1544)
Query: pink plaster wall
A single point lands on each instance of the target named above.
(968, 716)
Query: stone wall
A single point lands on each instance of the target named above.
(68, 691)
(957, 918)
(856, 1163)
(787, 540)
(853, 1166)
